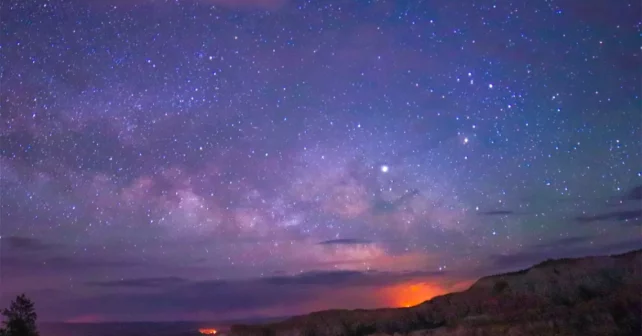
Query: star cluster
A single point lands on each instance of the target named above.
(168, 160)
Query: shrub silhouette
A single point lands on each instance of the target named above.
(20, 318)
(500, 286)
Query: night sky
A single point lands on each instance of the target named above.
(203, 160)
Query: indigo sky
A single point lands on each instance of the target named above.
(201, 160)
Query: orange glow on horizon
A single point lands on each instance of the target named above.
(205, 331)
(412, 294)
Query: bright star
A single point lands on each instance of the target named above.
(384, 169)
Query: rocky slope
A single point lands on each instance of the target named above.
(585, 296)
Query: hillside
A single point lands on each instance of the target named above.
(583, 296)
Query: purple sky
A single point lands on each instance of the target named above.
(200, 160)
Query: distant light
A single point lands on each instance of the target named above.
(385, 169)
(465, 140)
(207, 331)
(490, 86)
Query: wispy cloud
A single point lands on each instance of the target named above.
(346, 241)
(174, 296)
(316, 278)
(141, 282)
(496, 213)
(24, 244)
(350, 278)
(622, 215)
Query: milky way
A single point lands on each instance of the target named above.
(168, 160)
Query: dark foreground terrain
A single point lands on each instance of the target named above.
(186, 328)
(127, 329)
(584, 296)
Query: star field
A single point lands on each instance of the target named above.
(167, 160)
